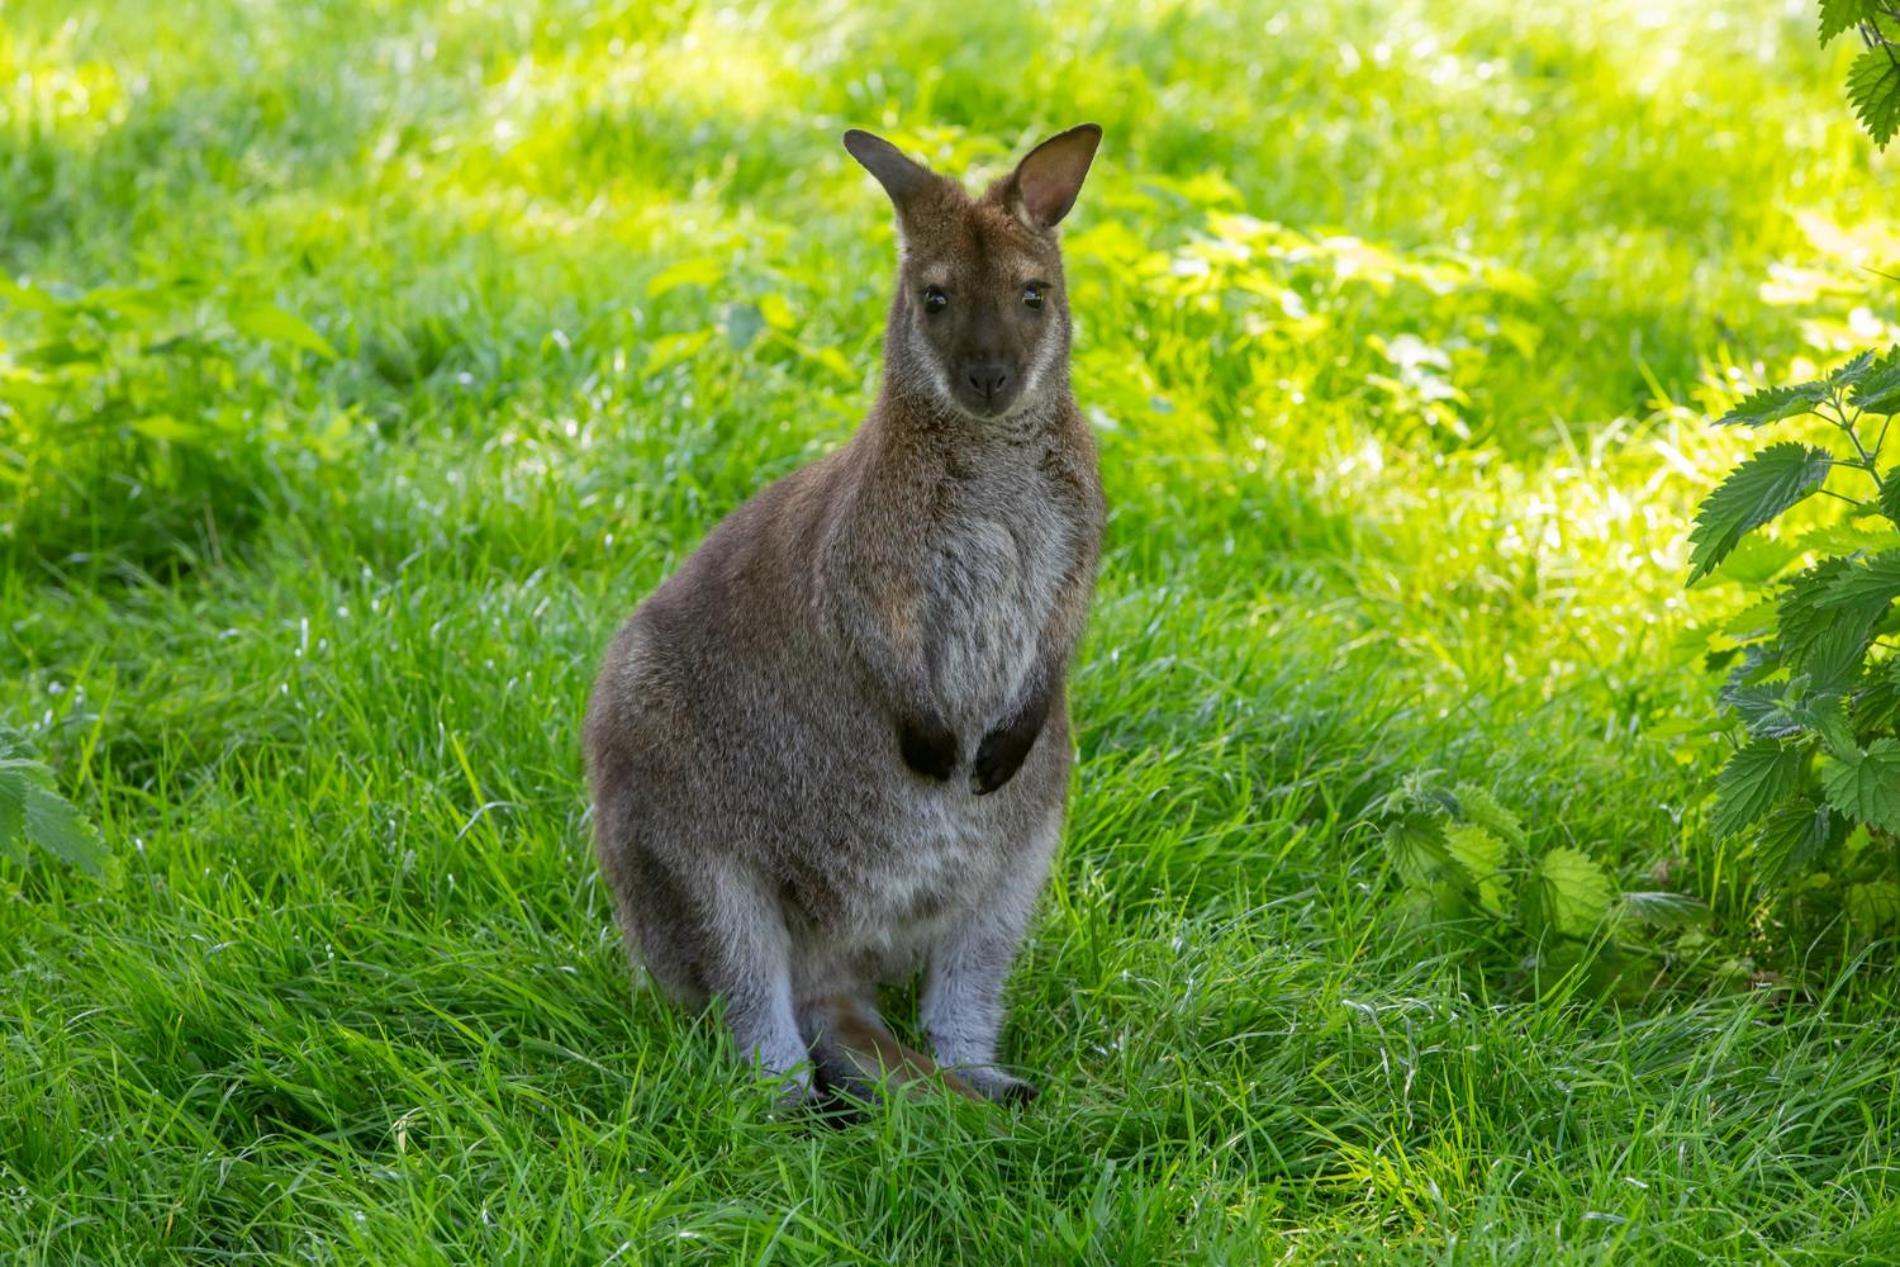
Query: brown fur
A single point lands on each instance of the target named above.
(833, 747)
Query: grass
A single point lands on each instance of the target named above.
(1401, 325)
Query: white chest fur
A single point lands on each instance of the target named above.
(994, 581)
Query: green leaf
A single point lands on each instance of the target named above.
(1877, 390)
(1866, 786)
(1877, 703)
(1823, 638)
(702, 270)
(56, 825)
(1873, 85)
(1756, 778)
(1477, 805)
(673, 349)
(1873, 582)
(1754, 493)
(777, 311)
(12, 813)
(1826, 716)
(743, 324)
(1569, 893)
(1793, 839)
(273, 325)
(31, 812)
(1416, 844)
(1767, 711)
(1838, 15)
(1481, 856)
(1873, 907)
(1786, 710)
(1890, 494)
(1772, 404)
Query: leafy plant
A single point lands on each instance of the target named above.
(140, 421)
(1465, 860)
(1814, 781)
(1873, 81)
(34, 815)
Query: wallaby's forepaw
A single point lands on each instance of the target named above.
(993, 1084)
(929, 747)
(999, 756)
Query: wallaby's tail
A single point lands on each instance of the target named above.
(854, 1053)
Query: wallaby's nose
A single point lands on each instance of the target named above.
(989, 379)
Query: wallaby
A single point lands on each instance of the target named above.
(833, 747)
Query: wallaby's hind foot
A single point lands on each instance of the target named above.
(853, 1054)
(993, 1084)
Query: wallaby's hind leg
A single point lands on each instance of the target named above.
(853, 1051)
(746, 961)
(962, 1006)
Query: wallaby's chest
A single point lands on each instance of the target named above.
(992, 576)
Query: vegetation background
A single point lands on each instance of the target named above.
(361, 364)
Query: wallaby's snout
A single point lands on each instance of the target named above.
(989, 382)
(981, 316)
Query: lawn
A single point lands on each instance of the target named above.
(396, 349)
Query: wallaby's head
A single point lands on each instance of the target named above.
(980, 322)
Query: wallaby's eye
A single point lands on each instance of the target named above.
(935, 299)
(1032, 294)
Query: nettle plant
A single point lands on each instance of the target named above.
(1466, 864)
(1813, 786)
(1873, 81)
(36, 819)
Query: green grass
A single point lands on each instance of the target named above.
(1401, 324)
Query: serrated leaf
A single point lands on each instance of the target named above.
(33, 813)
(1757, 620)
(1571, 892)
(1477, 805)
(1824, 639)
(1793, 839)
(1838, 15)
(1761, 488)
(1877, 390)
(1846, 537)
(1873, 582)
(1890, 494)
(1479, 852)
(1765, 710)
(1873, 85)
(1826, 716)
(1851, 371)
(56, 825)
(1877, 704)
(1662, 909)
(1772, 404)
(274, 325)
(1756, 778)
(1866, 786)
(1481, 856)
(1416, 845)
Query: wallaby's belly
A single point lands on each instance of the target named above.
(936, 855)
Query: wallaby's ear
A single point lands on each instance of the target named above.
(1045, 183)
(902, 179)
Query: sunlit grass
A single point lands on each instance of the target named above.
(1401, 326)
